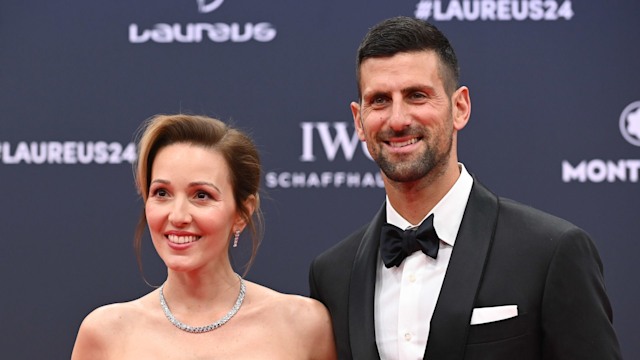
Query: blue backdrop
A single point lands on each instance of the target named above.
(555, 124)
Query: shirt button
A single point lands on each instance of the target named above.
(407, 336)
(412, 278)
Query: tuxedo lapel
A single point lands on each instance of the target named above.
(451, 319)
(361, 292)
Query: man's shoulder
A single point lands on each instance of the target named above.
(522, 226)
(537, 228)
(513, 212)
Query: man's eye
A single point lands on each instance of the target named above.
(378, 101)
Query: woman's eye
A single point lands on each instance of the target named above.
(160, 192)
(202, 195)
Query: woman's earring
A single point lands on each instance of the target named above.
(235, 238)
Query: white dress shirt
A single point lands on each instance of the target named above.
(406, 296)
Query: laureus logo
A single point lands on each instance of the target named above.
(494, 10)
(207, 7)
(198, 32)
(630, 123)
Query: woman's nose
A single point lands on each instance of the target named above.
(179, 215)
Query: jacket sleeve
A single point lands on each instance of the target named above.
(577, 320)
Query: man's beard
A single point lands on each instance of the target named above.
(431, 162)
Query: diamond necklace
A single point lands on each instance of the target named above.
(202, 329)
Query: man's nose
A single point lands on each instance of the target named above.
(399, 118)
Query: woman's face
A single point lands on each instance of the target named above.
(191, 210)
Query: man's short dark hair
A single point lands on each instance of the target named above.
(405, 34)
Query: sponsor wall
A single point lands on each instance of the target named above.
(555, 124)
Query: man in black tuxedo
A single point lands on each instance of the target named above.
(482, 277)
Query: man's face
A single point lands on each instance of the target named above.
(405, 115)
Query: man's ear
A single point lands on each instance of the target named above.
(461, 107)
(357, 120)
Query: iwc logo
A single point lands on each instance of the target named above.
(332, 167)
(630, 123)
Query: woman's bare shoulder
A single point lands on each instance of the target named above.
(103, 327)
(112, 316)
(288, 305)
(307, 318)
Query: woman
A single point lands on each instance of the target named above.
(199, 180)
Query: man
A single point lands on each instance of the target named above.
(491, 278)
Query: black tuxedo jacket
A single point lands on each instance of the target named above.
(505, 254)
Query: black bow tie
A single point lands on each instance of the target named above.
(396, 244)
